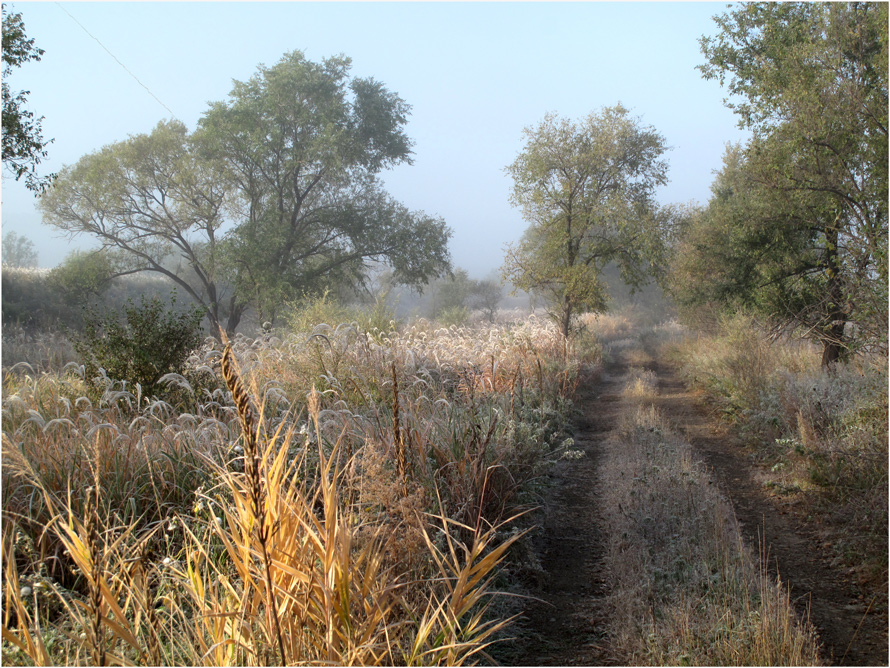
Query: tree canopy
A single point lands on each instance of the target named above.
(586, 188)
(273, 196)
(799, 215)
(18, 251)
(23, 143)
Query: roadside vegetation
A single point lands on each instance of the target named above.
(332, 494)
(820, 434)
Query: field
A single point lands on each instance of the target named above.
(352, 507)
(350, 494)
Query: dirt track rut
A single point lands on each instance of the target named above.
(564, 624)
(850, 633)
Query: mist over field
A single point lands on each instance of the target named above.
(445, 334)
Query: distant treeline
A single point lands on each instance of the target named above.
(45, 299)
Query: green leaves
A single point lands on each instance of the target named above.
(799, 217)
(275, 195)
(23, 143)
(586, 188)
(302, 144)
(150, 342)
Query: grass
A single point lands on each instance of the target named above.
(822, 434)
(347, 493)
(333, 495)
(685, 589)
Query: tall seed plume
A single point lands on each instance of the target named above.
(256, 484)
(232, 377)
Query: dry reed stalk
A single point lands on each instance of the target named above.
(398, 437)
(452, 630)
(97, 568)
(255, 485)
(28, 641)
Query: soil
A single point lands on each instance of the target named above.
(564, 619)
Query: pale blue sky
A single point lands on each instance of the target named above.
(475, 74)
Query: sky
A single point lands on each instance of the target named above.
(474, 73)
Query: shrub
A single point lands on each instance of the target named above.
(454, 316)
(151, 342)
(82, 276)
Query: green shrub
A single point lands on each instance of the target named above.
(82, 276)
(151, 342)
(454, 315)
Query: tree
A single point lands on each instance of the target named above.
(302, 144)
(152, 199)
(23, 143)
(18, 251)
(451, 292)
(742, 250)
(274, 196)
(587, 190)
(486, 295)
(810, 81)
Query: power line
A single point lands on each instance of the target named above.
(118, 61)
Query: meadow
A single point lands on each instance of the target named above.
(336, 494)
(355, 492)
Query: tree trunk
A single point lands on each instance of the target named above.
(236, 310)
(834, 346)
(565, 324)
(833, 342)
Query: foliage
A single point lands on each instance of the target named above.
(18, 251)
(450, 293)
(804, 207)
(311, 211)
(587, 189)
(83, 275)
(152, 342)
(486, 295)
(151, 198)
(296, 182)
(754, 249)
(28, 301)
(23, 143)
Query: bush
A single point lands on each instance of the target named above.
(151, 342)
(456, 316)
(82, 276)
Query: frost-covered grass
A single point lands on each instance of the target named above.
(686, 590)
(823, 433)
(389, 464)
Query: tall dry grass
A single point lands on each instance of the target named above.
(335, 496)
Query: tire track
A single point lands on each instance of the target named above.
(851, 634)
(565, 622)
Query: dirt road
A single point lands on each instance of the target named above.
(836, 608)
(564, 624)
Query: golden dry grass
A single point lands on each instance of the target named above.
(338, 496)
